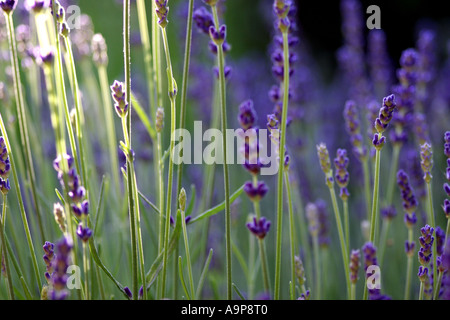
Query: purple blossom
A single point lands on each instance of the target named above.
(426, 155)
(84, 233)
(8, 5)
(426, 243)
(259, 227)
(247, 115)
(256, 193)
(203, 19)
(355, 263)
(342, 176)
(408, 196)
(388, 212)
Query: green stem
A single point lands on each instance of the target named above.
(346, 225)
(345, 256)
(353, 292)
(291, 232)
(21, 205)
(21, 114)
(376, 187)
(393, 173)
(5, 251)
(421, 291)
(383, 239)
(281, 167)
(433, 224)
(366, 171)
(186, 63)
(409, 267)
(221, 65)
(172, 96)
(188, 255)
(317, 268)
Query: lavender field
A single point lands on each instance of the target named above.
(215, 150)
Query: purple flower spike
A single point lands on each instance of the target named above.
(255, 193)
(120, 98)
(378, 141)
(8, 5)
(388, 212)
(426, 155)
(409, 248)
(426, 243)
(386, 113)
(447, 144)
(409, 199)
(247, 115)
(342, 176)
(423, 274)
(218, 36)
(259, 227)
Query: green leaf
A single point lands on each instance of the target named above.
(203, 275)
(191, 201)
(217, 208)
(183, 283)
(238, 292)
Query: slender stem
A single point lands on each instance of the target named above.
(86, 271)
(281, 166)
(133, 206)
(21, 114)
(186, 63)
(421, 291)
(5, 251)
(346, 224)
(262, 248)
(21, 205)
(345, 256)
(409, 267)
(291, 232)
(376, 187)
(367, 186)
(353, 292)
(172, 96)
(188, 255)
(318, 282)
(223, 105)
(433, 224)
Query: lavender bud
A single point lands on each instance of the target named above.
(203, 19)
(60, 217)
(447, 144)
(388, 212)
(4, 186)
(8, 6)
(162, 11)
(410, 248)
(355, 263)
(84, 233)
(259, 227)
(378, 141)
(64, 29)
(299, 270)
(218, 36)
(255, 193)
(426, 243)
(426, 155)
(212, 3)
(409, 199)
(247, 115)
(159, 120)
(410, 220)
(386, 113)
(128, 292)
(446, 208)
(120, 98)
(324, 158)
(342, 176)
(99, 50)
(182, 200)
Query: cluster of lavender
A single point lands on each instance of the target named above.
(255, 190)
(425, 255)
(354, 130)
(204, 21)
(409, 205)
(446, 205)
(285, 11)
(5, 167)
(342, 176)
(370, 259)
(56, 268)
(76, 193)
(384, 118)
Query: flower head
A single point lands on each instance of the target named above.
(256, 192)
(426, 243)
(386, 113)
(8, 5)
(203, 19)
(355, 263)
(409, 199)
(99, 50)
(84, 233)
(120, 98)
(247, 115)
(426, 155)
(259, 227)
(162, 10)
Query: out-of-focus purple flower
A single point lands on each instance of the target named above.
(324, 223)
(370, 259)
(353, 128)
(410, 220)
(247, 115)
(203, 19)
(256, 193)
(386, 113)
(388, 212)
(299, 270)
(408, 196)
(446, 208)
(380, 65)
(8, 6)
(355, 263)
(440, 240)
(259, 227)
(61, 263)
(410, 248)
(305, 296)
(48, 257)
(128, 292)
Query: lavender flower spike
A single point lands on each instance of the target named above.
(386, 113)
(426, 243)
(355, 263)
(255, 193)
(162, 10)
(342, 176)
(409, 199)
(120, 98)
